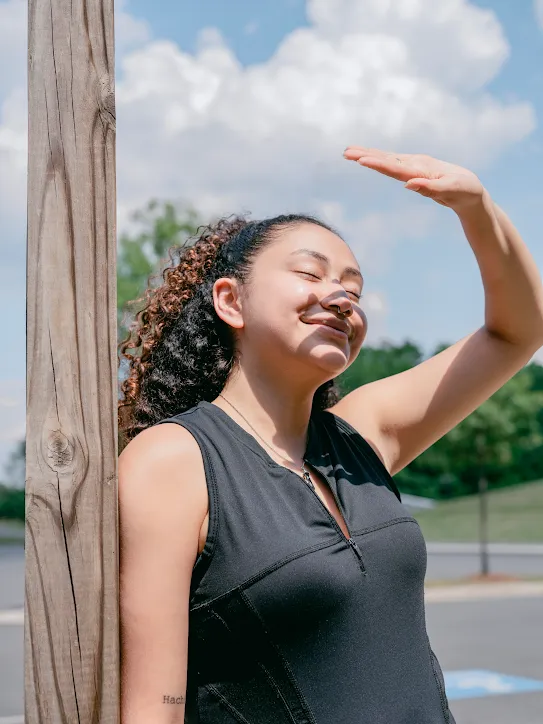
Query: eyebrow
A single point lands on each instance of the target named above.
(349, 270)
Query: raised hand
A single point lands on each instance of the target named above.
(447, 184)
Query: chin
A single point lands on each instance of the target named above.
(334, 362)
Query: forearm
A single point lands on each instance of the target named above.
(511, 279)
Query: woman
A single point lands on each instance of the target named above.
(269, 571)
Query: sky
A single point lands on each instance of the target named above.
(247, 107)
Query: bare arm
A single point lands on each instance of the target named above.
(406, 413)
(161, 510)
(511, 279)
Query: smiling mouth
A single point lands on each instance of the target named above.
(337, 332)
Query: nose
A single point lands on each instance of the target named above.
(343, 306)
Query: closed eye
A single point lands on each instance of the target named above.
(355, 294)
(309, 273)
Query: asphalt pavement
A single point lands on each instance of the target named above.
(488, 638)
(450, 561)
(495, 645)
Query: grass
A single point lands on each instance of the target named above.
(515, 515)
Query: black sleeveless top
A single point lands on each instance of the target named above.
(289, 620)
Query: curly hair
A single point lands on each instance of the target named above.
(187, 350)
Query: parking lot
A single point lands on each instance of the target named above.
(490, 649)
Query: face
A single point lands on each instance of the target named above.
(279, 316)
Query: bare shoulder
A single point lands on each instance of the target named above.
(168, 438)
(366, 425)
(161, 470)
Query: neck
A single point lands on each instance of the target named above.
(279, 414)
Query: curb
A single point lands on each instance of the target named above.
(459, 592)
(484, 591)
(501, 549)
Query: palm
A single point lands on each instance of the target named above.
(449, 185)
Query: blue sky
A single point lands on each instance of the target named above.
(248, 106)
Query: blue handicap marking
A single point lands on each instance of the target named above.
(477, 682)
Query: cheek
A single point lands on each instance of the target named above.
(275, 305)
(291, 297)
(361, 327)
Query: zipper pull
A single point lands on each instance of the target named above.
(307, 479)
(356, 549)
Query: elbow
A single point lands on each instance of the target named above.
(529, 341)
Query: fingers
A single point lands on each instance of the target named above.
(356, 152)
(387, 166)
(431, 188)
(360, 150)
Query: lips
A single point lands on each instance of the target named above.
(334, 323)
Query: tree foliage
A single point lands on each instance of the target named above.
(143, 255)
(491, 442)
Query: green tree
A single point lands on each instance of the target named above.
(529, 463)
(487, 441)
(16, 466)
(12, 490)
(374, 363)
(143, 256)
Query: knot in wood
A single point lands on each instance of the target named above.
(59, 451)
(107, 102)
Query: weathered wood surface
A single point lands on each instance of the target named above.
(71, 588)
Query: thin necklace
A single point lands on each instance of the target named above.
(305, 472)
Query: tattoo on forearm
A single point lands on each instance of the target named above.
(167, 699)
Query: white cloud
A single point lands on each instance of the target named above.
(13, 127)
(402, 75)
(538, 356)
(453, 42)
(12, 417)
(13, 149)
(13, 21)
(129, 31)
(538, 9)
(408, 75)
(372, 235)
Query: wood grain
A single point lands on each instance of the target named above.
(71, 627)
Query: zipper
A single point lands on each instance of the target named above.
(350, 541)
(358, 553)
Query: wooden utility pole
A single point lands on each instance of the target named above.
(71, 589)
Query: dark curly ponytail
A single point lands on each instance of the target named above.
(187, 350)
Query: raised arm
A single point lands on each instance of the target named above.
(406, 413)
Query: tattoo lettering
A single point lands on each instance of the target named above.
(172, 699)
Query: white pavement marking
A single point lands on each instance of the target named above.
(481, 591)
(12, 617)
(433, 594)
(502, 549)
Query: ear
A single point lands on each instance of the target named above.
(227, 301)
